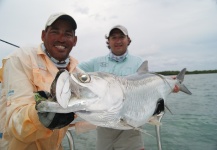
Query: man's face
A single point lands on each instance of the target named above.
(59, 39)
(118, 42)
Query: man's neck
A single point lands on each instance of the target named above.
(59, 64)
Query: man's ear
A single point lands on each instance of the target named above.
(75, 40)
(129, 40)
(43, 35)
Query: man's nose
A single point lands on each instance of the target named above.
(61, 37)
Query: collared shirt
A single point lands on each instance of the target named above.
(26, 71)
(104, 64)
(118, 58)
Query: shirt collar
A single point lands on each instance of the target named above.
(118, 58)
(57, 63)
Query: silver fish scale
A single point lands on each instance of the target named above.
(107, 119)
(139, 106)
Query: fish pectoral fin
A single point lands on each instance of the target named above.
(154, 121)
(144, 131)
(135, 128)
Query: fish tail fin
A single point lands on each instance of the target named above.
(184, 89)
(180, 78)
(181, 75)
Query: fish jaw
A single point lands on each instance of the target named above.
(63, 92)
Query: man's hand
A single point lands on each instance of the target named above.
(49, 119)
(41, 96)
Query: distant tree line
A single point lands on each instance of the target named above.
(187, 72)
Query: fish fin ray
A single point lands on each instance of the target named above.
(181, 75)
(154, 120)
(184, 89)
(144, 131)
(143, 68)
(168, 109)
(180, 78)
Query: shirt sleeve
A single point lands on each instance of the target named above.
(87, 66)
(22, 119)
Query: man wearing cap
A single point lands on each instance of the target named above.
(27, 71)
(121, 63)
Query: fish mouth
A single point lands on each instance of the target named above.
(60, 88)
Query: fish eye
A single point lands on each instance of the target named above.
(84, 78)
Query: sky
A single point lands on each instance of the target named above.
(170, 34)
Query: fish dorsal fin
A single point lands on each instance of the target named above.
(143, 68)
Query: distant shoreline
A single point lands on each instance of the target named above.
(188, 72)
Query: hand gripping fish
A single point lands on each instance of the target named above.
(112, 101)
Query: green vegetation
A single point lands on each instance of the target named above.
(187, 72)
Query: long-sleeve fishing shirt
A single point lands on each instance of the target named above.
(26, 71)
(106, 64)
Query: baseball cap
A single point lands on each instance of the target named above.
(120, 27)
(62, 15)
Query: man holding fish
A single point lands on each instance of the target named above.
(27, 71)
(118, 62)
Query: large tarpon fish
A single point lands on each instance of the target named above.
(112, 101)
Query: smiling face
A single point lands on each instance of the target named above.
(59, 39)
(118, 42)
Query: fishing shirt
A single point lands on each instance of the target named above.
(105, 64)
(25, 71)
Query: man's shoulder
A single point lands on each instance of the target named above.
(101, 57)
(98, 59)
(25, 51)
(24, 54)
(135, 57)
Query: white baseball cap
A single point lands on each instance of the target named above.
(120, 27)
(56, 16)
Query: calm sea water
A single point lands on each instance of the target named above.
(192, 126)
